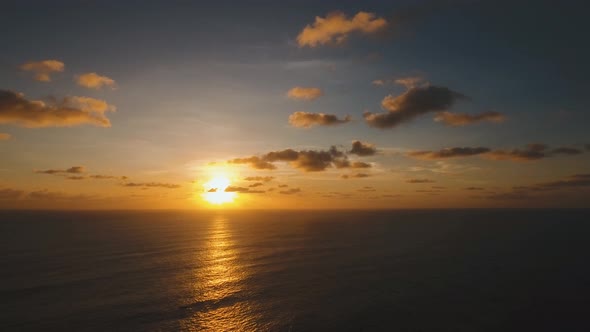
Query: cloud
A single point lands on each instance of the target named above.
(362, 149)
(107, 177)
(576, 182)
(70, 111)
(420, 181)
(336, 27)
(94, 81)
(360, 164)
(306, 160)
(151, 185)
(75, 177)
(414, 102)
(409, 82)
(259, 178)
(307, 120)
(254, 162)
(448, 153)
(5, 137)
(256, 184)
(303, 93)
(242, 190)
(290, 191)
(378, 82)
(474, 188)
(566, 151)
(283, 185)
(10, 194)
(532, 152)
(462, 119)
(355, 176)
(71, 170)
(43, 69)
(366, 189)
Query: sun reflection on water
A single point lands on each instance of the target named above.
(219, 286)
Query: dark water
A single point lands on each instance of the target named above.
(295, 271)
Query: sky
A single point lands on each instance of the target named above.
(294, 104)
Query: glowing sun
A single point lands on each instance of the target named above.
(215, 191)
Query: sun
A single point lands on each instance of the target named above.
(214, 191)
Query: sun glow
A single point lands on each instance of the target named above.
(215, 191)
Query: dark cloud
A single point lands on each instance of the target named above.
(71, 170)
(414, 102)
(257, 184)
(242, 190)
(70, 111)
(463, 119)
(448, 153)
(362, 149)
(532, 152)
(290, 191)
(474, 188)
(566, 151)
(305, 160)
(355, 176)
(10, 194)
(151, 185)
(360, 164)
(576, 181)
(259, 178)
(307, 120)
(420, 181)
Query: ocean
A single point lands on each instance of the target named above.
(404, 270)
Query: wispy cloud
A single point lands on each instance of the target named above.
(463, 119)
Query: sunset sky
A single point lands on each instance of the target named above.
(294, 104)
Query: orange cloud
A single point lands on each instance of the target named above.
(152, 185)
(94, 81)
(362, 149)
(336, 27)
(4, 136)
(43, 69)
(71, 170)
(462, 119)
(303, 93)
(307, 120)
(70, 111)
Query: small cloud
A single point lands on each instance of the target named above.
(360, 164)
(290, 191)
(336, 27)
(474, 188)
(242, 190)
(414, 102)
(363, 149)
(75, 177)
(420, 181)
(307, 120)
(448, 153)
(303, 93)
(43, 69)
(95, 81)
(259, 178)
(254, 162)
(355, 176)
(151, 185)
(409, 82)
(70, 111)
(366, 189)
(462, 119)
(10, 194)
(71, 170)
(532, 152)
(566, 151)
(5, 137)
(256, 184)
(378, 82)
